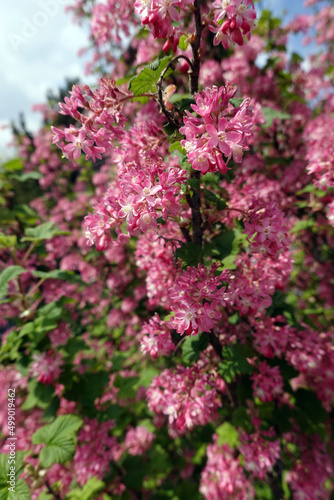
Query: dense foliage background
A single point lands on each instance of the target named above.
(166, 263)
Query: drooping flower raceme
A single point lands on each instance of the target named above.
(101, 120)
(223, 477)
(268, 383)
(267, 229)
(186, 397)
(139, 198)
(233, 21)
(199, 296)
(219, 133)
(158, 15)
(156, 339)
(260, 453)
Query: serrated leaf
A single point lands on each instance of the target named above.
(59, 451)
(228, 434)
(21, 488)
(44, 231)
(271, 114)
(8, 275)
(193, 346)
(147, 79)
(59, 438)
(190, 253)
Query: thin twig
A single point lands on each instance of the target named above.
(168, 114)
(52, 492)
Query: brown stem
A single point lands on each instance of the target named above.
(168, 114)
(196, 62)
(195, 205)
(52, 492)
(214, 341)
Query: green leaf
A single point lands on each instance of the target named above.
(303, 224)
(38, 395)
(263, 490)
(90, 491)
(240, 418)
(13, 165)
(308, 402)
(235, 362)
(236, 101)
(228, 434)
(54, 274)
(59, 438)
(194, 183)
(44, 231)
(190, 253)
(271, 114)
(147, 79)
(214, 199)
(8, 275)
(28, 176)
(7, 241)
(183, 42)
(193, 346)
(126, 385)
(136, 469)
(176, 146)
(185, 104)
(21, 488)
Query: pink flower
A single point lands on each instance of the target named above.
(46, 366)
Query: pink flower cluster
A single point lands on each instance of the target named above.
(223, 477)
(219, 130)
(46, 366)
(100, 125)
(268, 383)
(186, 397)
(199, 296)
(233, 21)
(106, 23)
(154, 255)
(319, 137)
(260, 451)
(266, 228)
(309, 475)
(158, 15)
(156, 340)
(96, 448)
(138, 440)
(138, 198)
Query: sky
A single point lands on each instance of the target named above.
(39, 47)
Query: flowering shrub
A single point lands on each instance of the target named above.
(166, 263)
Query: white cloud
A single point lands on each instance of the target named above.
(39, 47)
